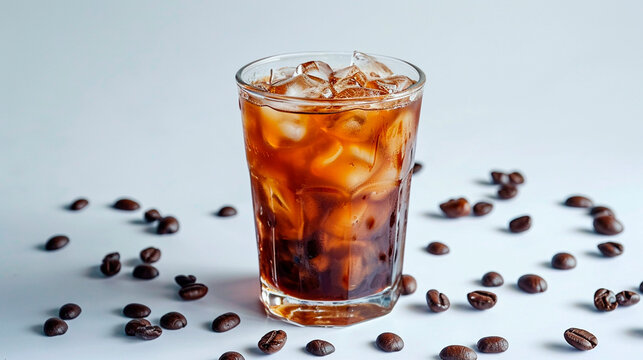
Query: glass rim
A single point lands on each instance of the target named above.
(242, 84)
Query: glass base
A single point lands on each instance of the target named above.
(327, 313)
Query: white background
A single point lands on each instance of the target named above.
(107, 99)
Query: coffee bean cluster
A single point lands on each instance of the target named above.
(56, 326)
(606, 300)
(605, 221)
(190, 289)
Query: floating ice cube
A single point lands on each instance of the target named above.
(397, 136)
(318, 69)
(346, 78)
(351, 93)
(281, 129)
(303, 86)
(355, 125)
(370, 66)
(281, 74)
(392, 84)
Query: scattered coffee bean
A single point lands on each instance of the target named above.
(437, 301)
(231, 355)
(579, 202)
(193, 291)
(482, 208)
(173, 321)
(611, 248)
(605, 300)
(54, 327)
(148, 332)
(56, 242)
(152, 215)
(600, 211)
(409, 285)
(437, 248)
(273, 341)
(79, 204)
(458, 352)
(417, 167)
(69, 311)
(607, 225)
(132, 325)
(580, 339)
(455, 208)
(492, 279)
(320, 348)
(516, 178)
(563, 261)
(507, 192)
(627, 298)
(225, 322)
(145, 272)
(150, 255)
(520, 224)
(168, 225)
(136, 311)
(499, 178)
(184, 280)
(111, 264)
(126, 204)
(492, 345)
(227, 211)
(389, 342)
(532, 284)
(482, 300)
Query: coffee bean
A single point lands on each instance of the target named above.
(563, 261)
(455, 208)
(54, 327)
(150, 255)
(580, 339)
(69, 311)
(597, 211)
(520, 224)
(225, 322)
(111, 264)
(320, 348)
(114, 256)
(184, 280)
(437, 301)
(437, 248)
(417, 167)
(273, 341)
(482, 300)
(507, 191)
(193, 291)
(579, 202)
(148, 332)
(231, 355)
(152, 215)
(516, 178)
(168, 225)
(389, 342)
(145, 272)
(499, 178)
(132, 325)
(173, 321)
(492, 279)
(56, 242)
(641, 287)
(458, 352)
(532, 284)
(136, 311)
(79, 204)
(611, 248)
(409, 285)
(627, 298)
(607, 225)
(227, 211)
(482, 208)
(605, 300)
(493, 345)
(126, 204)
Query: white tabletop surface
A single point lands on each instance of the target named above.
(122, 98)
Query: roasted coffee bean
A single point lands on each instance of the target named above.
(136, 311)
(79, 204)
(458, 352)
(607, 225)
(417, 167)
(231, 355)
(273, 341)
(193, 291)
(409, 285)
(145, 272)
(499, 178)
(111, 264)
(597, 211)
(580, 339)
(389, 342)
(69, 311)
(320, 348)
(641, 287)
(507, 191)
(532, 284)
(605, 300)
(492, 279)
(437, 248)
(563, 261)
(54, 327)
(126, 204)
(167, 225)
(150, 255)
(225, 322)
(579, 202)
(132, 325)
(152, 215)
(437, 301)
(611, 248)
(56, 242)
(184, 280)
(173, 321)
(114, 256)
(227, 211)
(455, 208)
(516, 178)
(627, 298)
(520, 224)
(148, 332)
(482, 300)
(482, 208)
(493, 345)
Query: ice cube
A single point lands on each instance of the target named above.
(303, 86)
(349, 77)
(317, 69)
(364, 152)
(281, 74)
(370, 66)
(352, 93)
(339, 167)
(391, 84)
(397, 137)
(281, 129)
(281, 202)
(355, 126)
